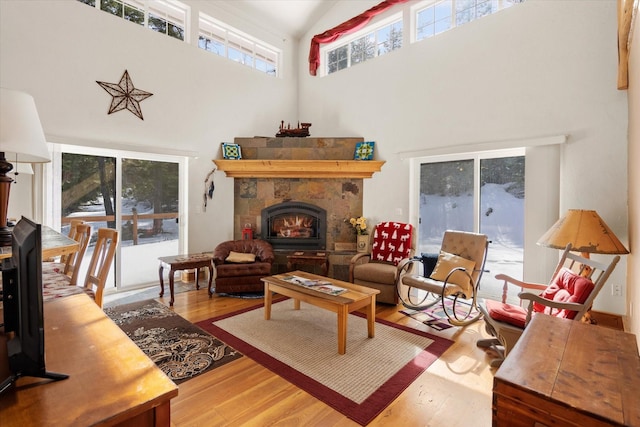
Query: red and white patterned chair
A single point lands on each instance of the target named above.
(392, 247)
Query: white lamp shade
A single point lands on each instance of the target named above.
(21, 135)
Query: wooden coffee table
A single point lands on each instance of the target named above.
(185, 262)
(355, 298)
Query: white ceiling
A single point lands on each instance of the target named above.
(291, 17)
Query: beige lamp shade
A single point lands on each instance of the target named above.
(21, 135)
(586, 231)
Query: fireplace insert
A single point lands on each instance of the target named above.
(295, 225)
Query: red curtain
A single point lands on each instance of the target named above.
(350, 26)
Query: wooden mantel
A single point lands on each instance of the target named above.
(299, 168)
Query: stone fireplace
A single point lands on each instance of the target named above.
(301, 172)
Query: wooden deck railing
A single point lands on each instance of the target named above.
(134, 217)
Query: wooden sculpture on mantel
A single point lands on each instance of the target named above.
(301, 131)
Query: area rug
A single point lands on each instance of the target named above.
(302, 347)
(434, 316)
(178, 347)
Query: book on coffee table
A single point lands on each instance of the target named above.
(323, 286)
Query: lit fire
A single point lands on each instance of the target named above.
(295, 226)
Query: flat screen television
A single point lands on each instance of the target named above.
(22, 302)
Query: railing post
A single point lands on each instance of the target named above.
(134, 226)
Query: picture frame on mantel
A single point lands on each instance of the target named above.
(364, 150)
(231, 151)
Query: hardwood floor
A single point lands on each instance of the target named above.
(454, 391)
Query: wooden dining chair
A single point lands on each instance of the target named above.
(100, 264)
(69, 265)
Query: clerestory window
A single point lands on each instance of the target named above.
(168, 17)
(378, 40)
(435, 17)
(224, 40)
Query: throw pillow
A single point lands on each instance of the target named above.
(240, 258)
(447, 262)
(567, 286)
(391, 242)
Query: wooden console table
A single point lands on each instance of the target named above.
(111, 381)
(564, 372)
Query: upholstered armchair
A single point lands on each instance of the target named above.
(240, 264)
(392, 247)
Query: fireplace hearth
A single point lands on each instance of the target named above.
(295, 226)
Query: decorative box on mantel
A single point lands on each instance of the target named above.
(298, 158)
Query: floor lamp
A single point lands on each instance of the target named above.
(587, 233)
(21, 141)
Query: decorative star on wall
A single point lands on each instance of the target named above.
(125, 95)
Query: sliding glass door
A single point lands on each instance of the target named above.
(477, 193)
(137, 194)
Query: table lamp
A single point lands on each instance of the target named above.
(587, 233)
(21, 141)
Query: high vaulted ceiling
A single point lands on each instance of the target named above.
(290, 17)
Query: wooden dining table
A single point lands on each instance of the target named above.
(54, 244)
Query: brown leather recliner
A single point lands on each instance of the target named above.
(242, 276)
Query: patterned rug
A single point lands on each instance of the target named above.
(434, 317)
(178, 347)
(301, 346)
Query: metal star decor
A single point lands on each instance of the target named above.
(125, 95)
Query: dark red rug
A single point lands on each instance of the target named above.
(368, 408)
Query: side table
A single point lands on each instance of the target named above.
(309, 258)
(185, 262)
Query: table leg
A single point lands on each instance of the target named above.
(342, 329)
(161, 279)
(210, 279)
(197, 278)
(371, 317)
(267, 301)
(296, 304)
(171, 274)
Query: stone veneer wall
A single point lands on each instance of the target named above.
(341, 198)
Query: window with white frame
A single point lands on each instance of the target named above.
(435, 17)
(375, 40)
(169, 17)
(221, 39)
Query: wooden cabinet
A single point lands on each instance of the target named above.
(567, 373)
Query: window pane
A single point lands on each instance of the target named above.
(134, 15)
(157, 24)
(502, 218)
(446, 201)
(88, 194)
(112, 6)
(175, 31)
(149, 212)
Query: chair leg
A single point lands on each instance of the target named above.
(487, 343)
(461, 316)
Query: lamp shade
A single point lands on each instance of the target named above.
(21, 135)
(586, 231)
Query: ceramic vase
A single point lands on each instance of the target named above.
(362, 243)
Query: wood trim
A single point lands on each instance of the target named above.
(299, 168)
(625, 17)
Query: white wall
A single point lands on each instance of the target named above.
(56, 50)
(540, 68)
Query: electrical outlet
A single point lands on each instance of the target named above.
(616, 290)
